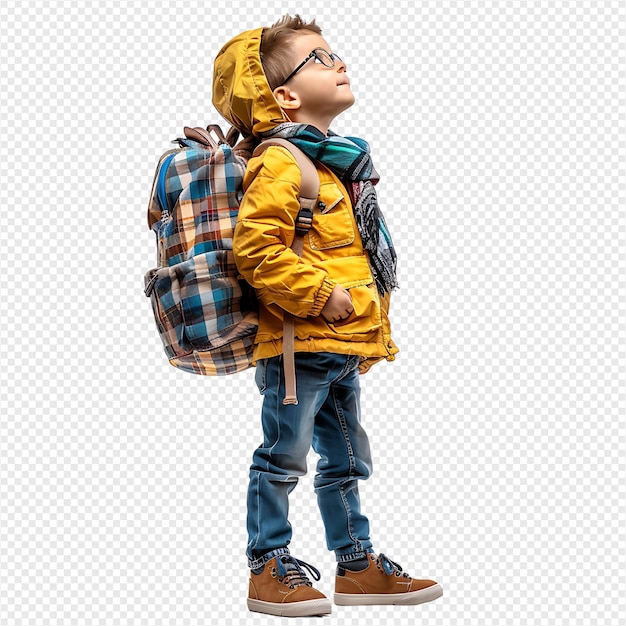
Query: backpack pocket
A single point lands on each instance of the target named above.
(163, 289)
(214, 307)
(200, 304)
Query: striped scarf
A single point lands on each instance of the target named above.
(349, 159)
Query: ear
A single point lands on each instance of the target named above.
(286, 98)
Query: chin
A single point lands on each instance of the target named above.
(349, 102)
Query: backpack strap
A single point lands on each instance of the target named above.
(212, 136)
(309, 190)
(310, 180)
(202, 136)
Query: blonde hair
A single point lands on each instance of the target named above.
(278, 38)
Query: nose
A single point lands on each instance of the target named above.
(341, 66)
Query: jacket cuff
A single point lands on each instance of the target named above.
(322, 296)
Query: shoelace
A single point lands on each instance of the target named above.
(389, 566)
(293, 575)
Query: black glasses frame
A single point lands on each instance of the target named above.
(332, 55)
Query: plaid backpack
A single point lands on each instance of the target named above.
(205, 312)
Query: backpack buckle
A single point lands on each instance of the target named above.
(304, 221)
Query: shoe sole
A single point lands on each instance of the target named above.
(305, 608)
(414, 597)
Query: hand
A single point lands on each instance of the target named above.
(338, 306)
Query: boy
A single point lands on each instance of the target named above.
(284, 81)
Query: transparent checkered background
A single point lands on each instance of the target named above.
(498, 434)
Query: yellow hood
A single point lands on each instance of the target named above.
(241, 92)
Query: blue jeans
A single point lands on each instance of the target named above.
(327, 416)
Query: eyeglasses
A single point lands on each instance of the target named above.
(325, 58)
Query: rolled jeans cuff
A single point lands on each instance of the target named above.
(268, 556)
(354, 556)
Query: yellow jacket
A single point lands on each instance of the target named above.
(333, 252)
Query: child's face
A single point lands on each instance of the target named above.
(319, 91)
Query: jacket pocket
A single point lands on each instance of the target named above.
(333, 224)
(353, 273)
(366, 316)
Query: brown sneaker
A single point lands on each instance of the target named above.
(382, 582)
(282, 588)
